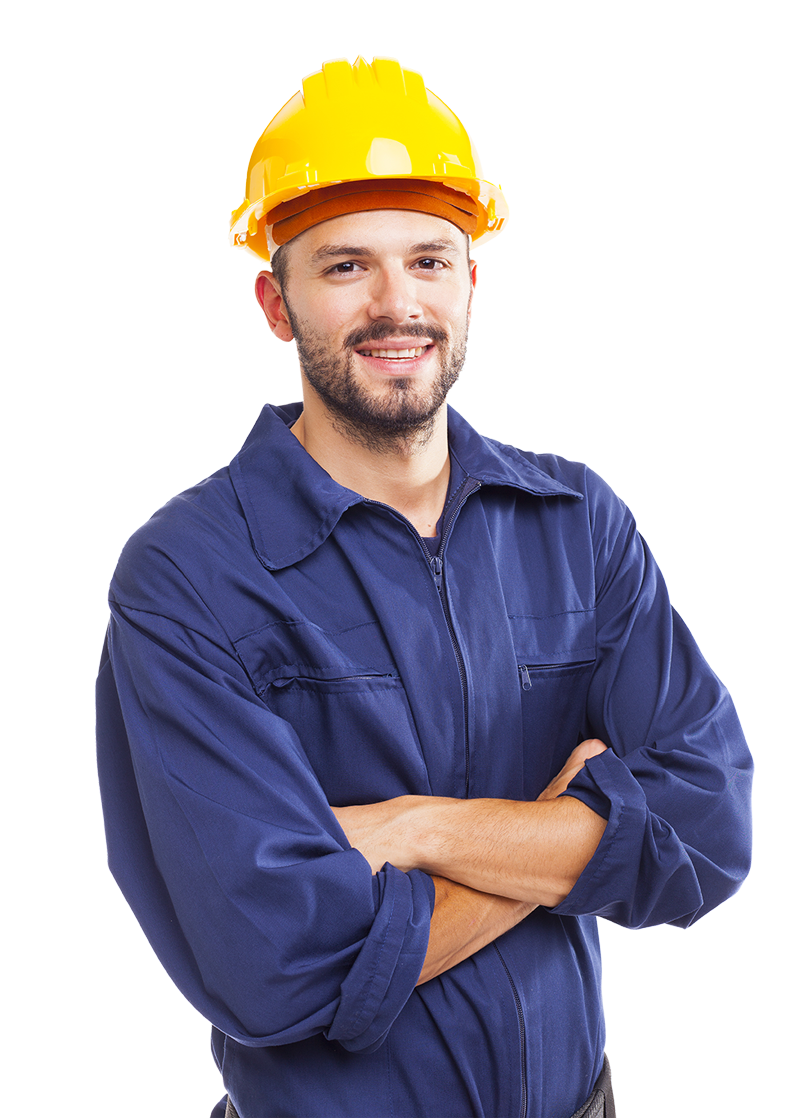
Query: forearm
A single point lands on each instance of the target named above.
(463, 921)
(530, 852)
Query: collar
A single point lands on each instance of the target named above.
(292, 505)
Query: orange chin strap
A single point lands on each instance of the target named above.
(288, 219)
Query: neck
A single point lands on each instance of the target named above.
(410, 473)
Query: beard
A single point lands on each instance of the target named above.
(397, 414)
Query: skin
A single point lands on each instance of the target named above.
(530, 852)
(409, 277)
(399, 281)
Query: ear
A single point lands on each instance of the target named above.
(473, 279)
(271, 302)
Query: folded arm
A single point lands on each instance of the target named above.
(493, 861)
(655, 829)
(463, 921)
(221, 838)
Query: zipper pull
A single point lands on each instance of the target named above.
(526, 678)
(436, 567)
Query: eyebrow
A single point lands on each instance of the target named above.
(436, 246)
(327, 251)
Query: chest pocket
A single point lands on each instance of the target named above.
(555, 658)
(342, 694)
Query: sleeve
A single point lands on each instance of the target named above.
(674, 785)
(221, 838)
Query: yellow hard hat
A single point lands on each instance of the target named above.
(355, 123)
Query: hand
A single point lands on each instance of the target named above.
(592, 747)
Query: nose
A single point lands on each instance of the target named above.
(394, 296)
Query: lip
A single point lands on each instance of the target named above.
(396, 366)
(395, 343)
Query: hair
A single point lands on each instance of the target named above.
(279, 264)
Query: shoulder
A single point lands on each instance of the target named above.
(179, 543)
(600, 517)
(576, 476)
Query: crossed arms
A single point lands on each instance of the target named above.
(216, 805)
(492, 861)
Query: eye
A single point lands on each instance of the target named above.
(344, 268)
(428, 264)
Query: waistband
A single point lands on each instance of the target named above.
(600, 1103)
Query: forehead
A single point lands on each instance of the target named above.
(377, 232)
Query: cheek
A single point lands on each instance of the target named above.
(337, 315)
(450, 306)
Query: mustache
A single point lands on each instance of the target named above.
(378, 331)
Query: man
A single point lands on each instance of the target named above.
(389, 712)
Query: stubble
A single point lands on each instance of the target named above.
(400, 414)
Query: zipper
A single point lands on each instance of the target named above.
(468, 486)
(436, 564)
(526, 669)
(285, 681)
(523, 1110)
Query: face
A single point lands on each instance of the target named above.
(378, 304)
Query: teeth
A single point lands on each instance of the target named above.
(396, 354)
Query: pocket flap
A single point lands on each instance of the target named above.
(286, 651)
(562, 638)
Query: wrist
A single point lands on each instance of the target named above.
(432, 827)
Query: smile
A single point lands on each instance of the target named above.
(394, 354)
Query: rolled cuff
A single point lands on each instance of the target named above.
(641, 874)
(388, 966)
